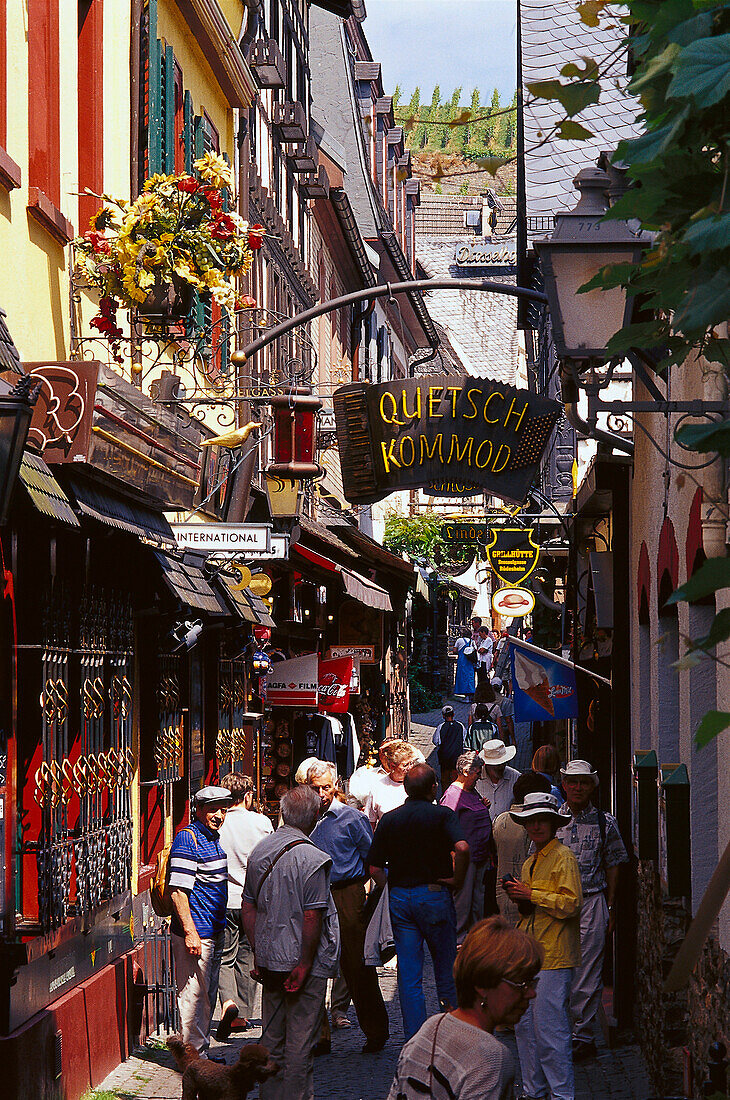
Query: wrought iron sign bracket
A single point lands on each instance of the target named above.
(689, 408)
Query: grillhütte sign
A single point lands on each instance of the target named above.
(473, 433)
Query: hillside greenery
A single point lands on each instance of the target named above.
(470, 127)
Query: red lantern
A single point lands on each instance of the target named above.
(294, 434)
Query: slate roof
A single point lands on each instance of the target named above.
(553, 35)
(9, 357)
(481, 328)
(45, 492)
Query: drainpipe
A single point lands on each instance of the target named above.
(426, 358)
(589, 431)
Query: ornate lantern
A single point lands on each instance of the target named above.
(294, 434)
(16, 411)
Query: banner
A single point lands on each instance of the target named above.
(293, 683)
(443, 433)
(334, 684)
(543, 689)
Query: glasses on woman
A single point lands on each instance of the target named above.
(523, 987)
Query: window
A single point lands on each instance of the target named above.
(90, 92)
(44, 141)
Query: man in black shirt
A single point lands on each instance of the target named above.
(449, 742)
(423, 848)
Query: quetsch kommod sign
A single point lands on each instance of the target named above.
(472, 433)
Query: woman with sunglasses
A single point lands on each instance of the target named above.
(455, 1055)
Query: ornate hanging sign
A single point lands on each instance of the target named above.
(512, 554)
(475, 434)
(514, 602)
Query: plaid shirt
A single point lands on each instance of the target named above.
(583, 836)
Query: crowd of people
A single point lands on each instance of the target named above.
(510, 880)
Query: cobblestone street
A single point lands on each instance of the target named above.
(346, 1074)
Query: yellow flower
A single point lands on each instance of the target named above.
(215, 170)
(155, 180)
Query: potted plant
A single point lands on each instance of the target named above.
(152, 254)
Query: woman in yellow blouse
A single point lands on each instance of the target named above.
(549, 900)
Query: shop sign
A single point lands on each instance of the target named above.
(419, 432)
(480, 254)
(293, 683)
(335, 677)
(514, 602)
(512, 554)
(245, 538)
(63, 413)
(364, 653)
(464, 534)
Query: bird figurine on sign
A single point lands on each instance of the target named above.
(234, 438)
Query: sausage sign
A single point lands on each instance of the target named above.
(441, 432)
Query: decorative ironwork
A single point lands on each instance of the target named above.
(168, 750)
(231, 743)
(81, 784)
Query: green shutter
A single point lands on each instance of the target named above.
(188, 130)
(168, 111)
(154, 92)
(226, 194)
(198, 136)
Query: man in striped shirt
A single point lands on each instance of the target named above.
(199, 891)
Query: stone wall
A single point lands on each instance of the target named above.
(661, 1020)
(708, 1007)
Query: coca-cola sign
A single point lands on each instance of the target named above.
(334, 684)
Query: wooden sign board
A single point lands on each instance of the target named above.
(512, 554)
(441, 429)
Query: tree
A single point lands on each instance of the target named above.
(396, 96)
(680, 164)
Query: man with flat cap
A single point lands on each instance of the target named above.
(199, 891)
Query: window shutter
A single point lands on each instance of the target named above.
(198, 137)
(168, 111)
(154, 94)
(226, 193)
(188, 131)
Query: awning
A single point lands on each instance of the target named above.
(422, 588)
(114, 510)
(250, 607)
(360, 588)
(188, 583)
(45, 493)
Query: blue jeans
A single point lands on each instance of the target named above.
(420, 913)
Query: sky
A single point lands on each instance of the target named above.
(452, 43)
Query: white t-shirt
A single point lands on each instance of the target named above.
(241, 831)
(387, 795)
(364, 780)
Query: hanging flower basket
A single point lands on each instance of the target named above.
(176, 238)
(168, 303)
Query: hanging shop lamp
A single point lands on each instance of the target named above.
(294, 434)
(16, 411)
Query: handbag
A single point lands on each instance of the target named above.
(471, 654)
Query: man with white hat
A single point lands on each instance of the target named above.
(497, 780)
(594, 838)
(199, 892)
(549, 898)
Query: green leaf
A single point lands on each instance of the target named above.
(714, 722)
(705, 438)
(544, 89)
(590, 10)
(718, 632)
(654, 68)
(716, 350)
(589, 72)
(705, 304)
(709, 234)
(688, 662)
(702, 71)
(646, 148)
(712, 575)
(491, 164)
(573, 131)
(573, 97)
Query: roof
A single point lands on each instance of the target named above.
(9, 355)
(249, 606)
(481, 327)
(44, 491)
(112, 509)
(552, 36)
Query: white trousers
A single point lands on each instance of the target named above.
(544, 1040)
(585, 995)
(196, 979)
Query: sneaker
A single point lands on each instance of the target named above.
(340, 1021)
(226, 1023)
(219, 1059)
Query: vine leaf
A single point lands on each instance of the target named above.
(702, 71)
(712, 574)
(714, 722)
(705, 437)
(718, 632)
(492, 164)
(572, 97)
(573, 131)
(460, 120)
(709, 235)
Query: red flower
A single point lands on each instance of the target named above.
(214, 197)
(223, 228)
(188, 183)
(256, 239)
(98, 242)
(246, 302)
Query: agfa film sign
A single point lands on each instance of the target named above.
(474, 433)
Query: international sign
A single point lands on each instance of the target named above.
(512, 554)
(473, 432)
(245, 538)
(464, 534)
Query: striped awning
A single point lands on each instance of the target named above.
(45, 493)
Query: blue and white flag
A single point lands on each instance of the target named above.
(544, 688)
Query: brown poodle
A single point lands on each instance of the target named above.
(204, 1080)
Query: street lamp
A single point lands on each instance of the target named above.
(580, 245)
(294, 437)
(16, 411)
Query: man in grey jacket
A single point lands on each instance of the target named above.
(291, 921)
